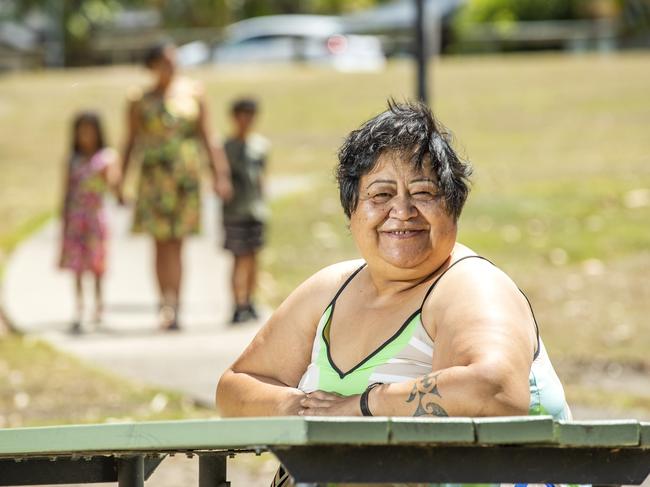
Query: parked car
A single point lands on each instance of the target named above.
(312, 39)
(193, 54)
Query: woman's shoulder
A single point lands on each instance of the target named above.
(474, 273)
(336, 274)
(498, 308)
(184, 86)
(135, 94)
(306, 303)
(473, 278)
(324, 284)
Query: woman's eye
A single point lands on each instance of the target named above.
(381, 197)
(423, 195)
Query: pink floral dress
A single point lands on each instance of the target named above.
(84, 219)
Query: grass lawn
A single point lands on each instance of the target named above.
(561, 196)
(40, 385)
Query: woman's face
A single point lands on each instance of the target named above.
(165, 66)
(400, 222)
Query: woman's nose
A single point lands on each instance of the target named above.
(403, 208)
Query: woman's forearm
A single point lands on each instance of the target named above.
(473, 390)
(241, 394)
(127, 150)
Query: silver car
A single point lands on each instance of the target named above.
(313, 39)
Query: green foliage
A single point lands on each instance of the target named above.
(196, 13)
(478, 11)
(77, 19)
(504, 13)
(481, 24)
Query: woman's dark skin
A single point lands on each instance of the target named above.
(478, 319)
(168, 253)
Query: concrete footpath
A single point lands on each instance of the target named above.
(38, 298)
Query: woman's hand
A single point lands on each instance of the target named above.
(119, 193)
(321, 403)
(291, 406)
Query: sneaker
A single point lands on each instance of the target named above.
(75, 328)
(241, 315)
(253, 312)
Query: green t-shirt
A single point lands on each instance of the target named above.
(247, 160)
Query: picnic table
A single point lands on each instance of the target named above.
(455, 450)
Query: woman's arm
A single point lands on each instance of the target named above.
(484, 346)
(132, 126)
(216, 155)
(264, 379)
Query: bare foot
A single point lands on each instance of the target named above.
(99, 314)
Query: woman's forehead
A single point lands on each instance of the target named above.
(397, 165)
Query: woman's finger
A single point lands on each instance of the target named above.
(313, 412)
(325, 396)
(312, 402)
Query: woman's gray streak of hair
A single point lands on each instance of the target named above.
(410, 130)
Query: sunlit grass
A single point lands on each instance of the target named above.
(40, 385)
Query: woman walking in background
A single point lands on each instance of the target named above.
(244, 215)
(169, 124)
(89, 173)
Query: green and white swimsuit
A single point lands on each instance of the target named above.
(408, 355)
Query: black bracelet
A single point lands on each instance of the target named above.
(363, 401)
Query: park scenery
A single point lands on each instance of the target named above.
(560, 200)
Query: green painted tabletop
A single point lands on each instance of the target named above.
(251, 433)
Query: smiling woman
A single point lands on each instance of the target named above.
(422, 326)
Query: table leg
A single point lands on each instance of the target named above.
(213, 470)
(130, 471)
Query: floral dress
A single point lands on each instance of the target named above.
(168, 201)
(84, 218)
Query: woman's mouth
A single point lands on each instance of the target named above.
(401, 234)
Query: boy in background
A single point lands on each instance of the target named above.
(245, 214)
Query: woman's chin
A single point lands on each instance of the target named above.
(405, 258)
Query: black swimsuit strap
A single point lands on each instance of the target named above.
(345, 284)
(530, 306)
(433, 285)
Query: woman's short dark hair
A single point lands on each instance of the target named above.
(91, 118)
(409, 129)
(156, 51)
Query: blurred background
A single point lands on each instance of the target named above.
(550, 100)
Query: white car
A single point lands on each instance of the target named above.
(313, 39)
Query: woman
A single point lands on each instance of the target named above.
(169, 123)
(422, 326)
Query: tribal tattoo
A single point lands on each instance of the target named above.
(423, 387)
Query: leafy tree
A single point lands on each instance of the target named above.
(73, 21)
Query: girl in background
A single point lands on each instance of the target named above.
(89, 173)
